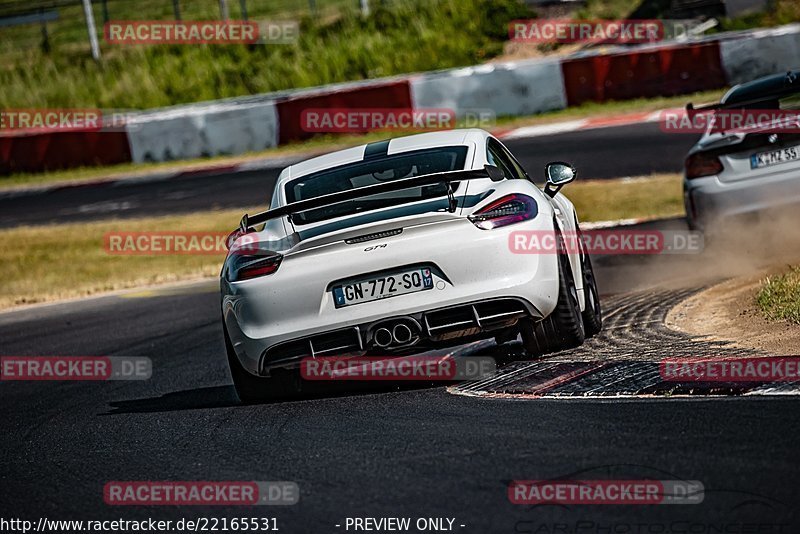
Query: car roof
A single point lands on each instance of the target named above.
(762, 86)
(387, 147)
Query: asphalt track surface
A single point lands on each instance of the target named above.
(633, 150)
(416, 452)
(390, 452)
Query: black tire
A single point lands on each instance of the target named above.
(592, 312)
(253, 389)
(507, 335)
(563, 329)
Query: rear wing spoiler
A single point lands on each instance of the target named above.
(446, 178)
(789, 87)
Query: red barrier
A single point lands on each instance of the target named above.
(665, 71)
(38, 152)
(390, 95)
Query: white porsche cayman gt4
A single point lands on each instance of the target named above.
(400, 247)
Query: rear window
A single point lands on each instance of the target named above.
(366, 173)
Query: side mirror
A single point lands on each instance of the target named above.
(558, 174)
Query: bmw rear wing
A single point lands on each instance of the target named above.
(446, 178)
(787, 86)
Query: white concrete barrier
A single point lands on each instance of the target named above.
(751, 55)
(236, 126)
(514, 88)
(194, 131)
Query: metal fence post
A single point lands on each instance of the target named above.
(87, 11)
(243, 6)
(176, 8)
(45, 35)
(223, 9)
(365, 7)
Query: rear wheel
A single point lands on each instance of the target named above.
(254, 389)
(592, 314)
(563, 329)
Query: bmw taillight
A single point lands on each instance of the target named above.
(700, 164)
(245, 267)
(509, 209)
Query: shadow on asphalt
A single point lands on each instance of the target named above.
(190, 399)
(225, 396)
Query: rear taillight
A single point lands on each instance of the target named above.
(510, 209)
(700, 164)
(246, 267)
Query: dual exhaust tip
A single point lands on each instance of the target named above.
(395, 335)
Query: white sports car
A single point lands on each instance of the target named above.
(399, 247)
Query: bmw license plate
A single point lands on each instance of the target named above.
(381, 287)
(775, 157)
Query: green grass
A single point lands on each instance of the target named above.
(70, 260)
(780, 12)
(46, 263)
(68, 33)
(655, 196)
(399, 36)
(605, 9)
(779, 296)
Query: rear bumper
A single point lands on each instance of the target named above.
(431, 329)
(271, 319)
(711, 202)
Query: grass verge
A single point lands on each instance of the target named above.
(46, 263)
(397, 37)
(779, 12)
(70, 260)
(656, 196)
(779, 296)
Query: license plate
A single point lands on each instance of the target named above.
(381, 287)
(774, 157)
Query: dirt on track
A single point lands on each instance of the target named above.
(728, 312)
